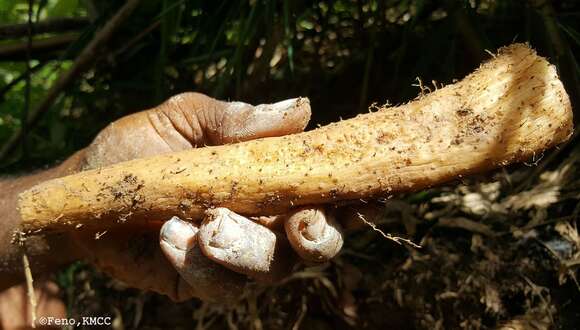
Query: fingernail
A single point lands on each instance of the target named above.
(284, 106)
(314, 225)
(314, 235)
(281, 106)
(236, 242)
(248, 122)
(178, 233)
(226, 231)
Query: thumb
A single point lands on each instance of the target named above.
(202, 120)
(190, 120)
(241, 121)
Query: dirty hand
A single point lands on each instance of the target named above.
(209, 258)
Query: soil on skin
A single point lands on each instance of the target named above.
(498, 252)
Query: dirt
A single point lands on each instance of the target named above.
(127, 191)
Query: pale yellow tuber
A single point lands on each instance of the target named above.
(511, 109)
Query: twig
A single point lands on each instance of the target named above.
(48, 26)
(537, 290)
(16, 51)
(85, 58)
(30, 289)
(473, 40)
(302, 313)
(26, 109)
(136, 39)
(18, 79)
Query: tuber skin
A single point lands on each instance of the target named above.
(512, 108)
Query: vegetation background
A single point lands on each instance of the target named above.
(498, 251)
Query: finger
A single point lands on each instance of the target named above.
(15, 304)
(190, 120)
(314, 234)
(131, 254)
(244, 246)
(274, 222)
(203, 120)
(242, 121)
(210, 281)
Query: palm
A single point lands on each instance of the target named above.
(185, 121)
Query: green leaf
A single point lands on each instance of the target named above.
(62, 8)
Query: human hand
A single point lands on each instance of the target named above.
(210, 259)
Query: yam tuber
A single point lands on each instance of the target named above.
(512, 108)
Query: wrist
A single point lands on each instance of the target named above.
(46, 252)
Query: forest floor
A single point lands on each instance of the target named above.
(497, 252)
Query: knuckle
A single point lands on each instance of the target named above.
(192, 101)
(314, 234)
(195, 115)
(186, 100)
